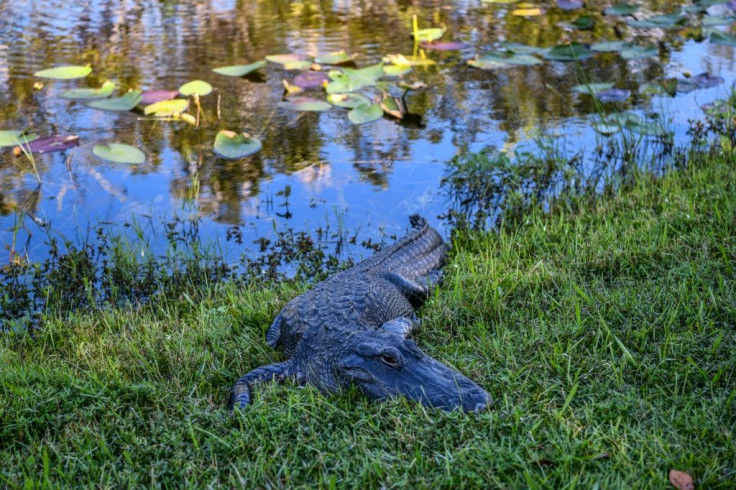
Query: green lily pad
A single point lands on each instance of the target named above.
(610, 46)
(366, 113)
(591, 88)
(233, 146)
(289, 59)
(429, 35)
(660, 21)
(568, 52)
(199, 87)
(717, 37)
(64, 72)
(120, 153)
(392, 106)
(14, 137)
(718, 20)
(104, 91)
(582, 23)
(348, 100)
(125, 103)
(350, 80)
(396, 70)
(496, 59)
(239, 70)
(305, 104)
(336, 58)
(639, 52)
(622, 9)
(167, 108)
(522, 48)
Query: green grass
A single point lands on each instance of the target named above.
(604, 331)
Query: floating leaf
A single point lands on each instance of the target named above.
(591, 88)
(528, 12)
(582, 23)
(611, 46)
(396, 70)
(444, 45)
(288, 59)
(350, 80)
(718, 20)
(496, 59)
(570, 4)
(105, 90)
(428, 35)
(681, 480)
(400, 59)
(53, 143)
(660, 21)
(568, 52)
(348, 100)
(152, 96)
(639, 52)
(392, 106)
(233, 146)
(717, 37)
(305, 104)
(366, 113)
(622, 9)
(613, 95)
(311, 80)
(336, 58)
(14, 137)
(523, 48)
(120, 153)
(125, 103)
(239, 70)
(64, 72)
(706, 80)
(199, 87)
(167, 108)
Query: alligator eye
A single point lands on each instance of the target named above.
(389, 360)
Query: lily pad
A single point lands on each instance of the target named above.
(568, 52)
(622, 9)
(392, 106)
(611, 46)
(105, 90)
(613, 95)
(125, 103)
(199, 87)
(667, 21)
(311, 80)
(396, 70)
(288, 59)
(48, 144)
(15, 137)
(496, 59)
(591, 88)
(639, 52)
(64, 72)
(444, 45)
(239, 70)
(582, 23)
(522, 48)
(350, 80)
(718, 20)
(336, 58)
(706, 80)
(348, 100)
(528, 12)
(400, 59)
(152, 96)
(305, 104)
(233, 146)
(120, 153)
(717, 37)
(166, 108)
(428, 35)
(366, 113)
(570, 4)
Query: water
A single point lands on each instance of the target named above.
(314, 168)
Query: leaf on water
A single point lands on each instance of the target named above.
(611, 46)
(104, 91)
(523, 48)
(568, 52)
(591, 88)
(400, 59)
(528, 12)
(717, 37)
(396, 70)
(311, 80)
(582, 23)
(350, 80)
(336, 58)
(348, 100)
(570, 4)
(681, 480)
(613, 95)
(305, 104)
(497, 59)
(233, 146)
(392, 106)
(239, 70)
(64, 72)
(622, 9)
(125, 103)
(199, 87)
(14, 137)
(706, 80)
(288, 59)
(53, 143)
(166, 108)
(152, 96)
(718, 20)
(660, 21)
(443, 45)
(120, 153)
(366, 113)
(639, 52)
(429, 35)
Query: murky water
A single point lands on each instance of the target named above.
(314, 168)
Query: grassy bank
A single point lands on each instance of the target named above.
(604, 330)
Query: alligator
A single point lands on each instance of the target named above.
(353, 330)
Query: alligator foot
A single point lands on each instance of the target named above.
(403, 326)
(241, 394)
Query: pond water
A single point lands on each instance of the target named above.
(314, 168)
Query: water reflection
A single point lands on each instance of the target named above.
(370, 175)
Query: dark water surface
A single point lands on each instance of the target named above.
(366, 178)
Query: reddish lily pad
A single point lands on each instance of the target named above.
(444, 45)
(152, 96)
(48, 144)
(311, 80)
(706, 80)
(570, 4)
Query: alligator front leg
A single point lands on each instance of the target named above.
(416, 291)
(241, 395)
(403, 326)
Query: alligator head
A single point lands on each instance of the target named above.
(384, 364)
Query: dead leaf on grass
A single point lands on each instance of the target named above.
(681, 480)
